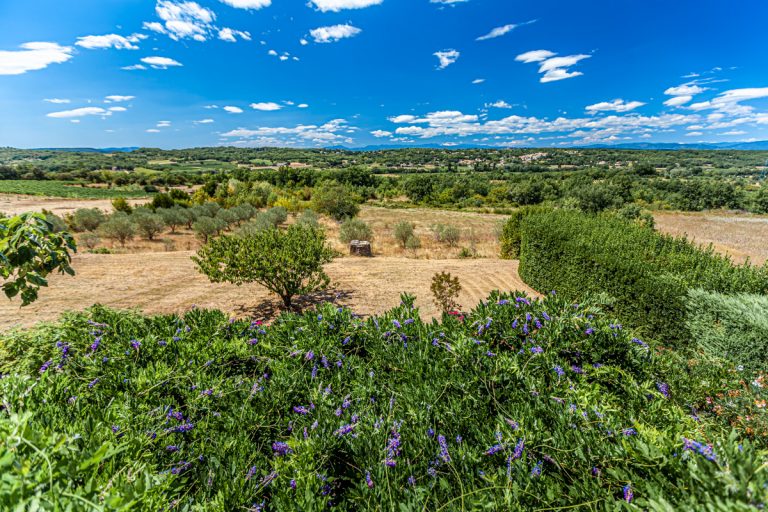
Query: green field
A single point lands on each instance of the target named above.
(66, 189)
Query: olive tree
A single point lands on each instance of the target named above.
(288, 262)
(148, 224)
(118, 227)
(30, 249)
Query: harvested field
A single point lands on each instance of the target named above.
(12, 204)
(741, 236)
(168, 282)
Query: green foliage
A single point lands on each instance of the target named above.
(308, 218)
(447, 234)
(510, 236)
(86, 219)
(120, 204)
(287, 263)
(207, 227)
(66, 189)
(445, 290)
(30, 250)
(335, 200)
(173, 217)
(761, 200)
(413, 243)
(648, 274)
(355, 229)
(148, 224)
(403, 231)
(730, 326)
(163, 201)
(90, 240)
(186, 412)
(119, 227)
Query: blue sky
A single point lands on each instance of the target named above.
(171, 74)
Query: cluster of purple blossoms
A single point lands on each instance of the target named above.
(444, 455)
(641, 343)
(206, 392)
(181, 468)
(171, 448)
(628, 494)
(577, 369)
(663, 388)
(536, 350)
(518, 451)
(559, 371)
(93, 383)
(493, 450)
(393, 448)
(300, 409)
(281, 449)
(702, 449)
(368, 480)
(46, 365)
(268, 479)
(344, 430)
(251, 472)
(536, 471)
(135, 344)
(95, 344)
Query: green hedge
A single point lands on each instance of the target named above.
(647, 273)
(732, 326)
(510, 237)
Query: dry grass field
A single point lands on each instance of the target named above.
(168, 282)
(741, 236)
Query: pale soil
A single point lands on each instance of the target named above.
(15, 204)
(741, 236)
(169, 282)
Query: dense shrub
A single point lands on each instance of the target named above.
(86, 219)
(335, 200)
(355, 229)
(648, 274)
(510, 232)
(525, 405)
(118, 227)
(730, 326)
(445, 290)
(148, 224)
(308, 218)
(447, 234)
(403, 231)
(207, 227)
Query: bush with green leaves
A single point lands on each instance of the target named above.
(308, 218)
(119, 228)
(510, 236)
(173, 217)
(523, 405)
(403, 231)
(335, 200)
(286, 262)
(730, 326)
(355, 229)
(648, 274)
(445, 290)
(447, 234)
(148, 224)
(90, 240)
(30, 250)
(86, 219)
(413, 243)
(120, 204)
(206, 228)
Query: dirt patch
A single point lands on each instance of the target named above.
(168, 282)
(14, 204)
(741, 236)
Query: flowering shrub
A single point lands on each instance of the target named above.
(524, 404)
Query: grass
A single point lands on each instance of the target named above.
(519, 405)
(66, 189)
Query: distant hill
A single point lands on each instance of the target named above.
(89, 150)
(761, 145)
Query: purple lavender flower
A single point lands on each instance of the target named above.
(411, 480)
(46, 365)
(368, 480)
(251, 472)
(314, 372)
(518, 451)
(702, 449)
(93, 383)
(293, 484)
(536, 471)
(443, 448)
(536, 350)
(309, 356)
(576, 369)
(559, 371)
(397, 324)
(300, 409)
(171, 448)
(663, 388)
(639, 342)
(268, 479)
(430, 432)
(135, 344)
(628, 432)
(344, 430)
(590, 331)
(493, 450)
(281, 449)
(628, 494)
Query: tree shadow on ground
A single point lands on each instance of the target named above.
(269, 309)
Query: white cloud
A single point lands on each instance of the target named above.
(272, 52)
(160, 62)
(614, 106)
(676, 101)
(266, 106)
(500, 31)
(233, 110)
(685, 90)
(80, 112)
(735, 132)
(32, 57)
(183, 20)
(553, 68)
(117, 109)
(729, 102)
(57, 101)
(118, 99)
(163, 124)
(135, 67)
(498, 104)
(75, 121)
(333, 33)
(110, 41)
(247, 4)
(447, 2)
(694, 134)
(204, 121)
(535, 56)
(153, 130)
(338, 5)
(229, 35)
(478, 81)
(211, 106)
(446, 58)
(303, 42)
(381, 133)
(332, 131)
(302, 105)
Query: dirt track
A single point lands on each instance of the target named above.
(168, 282)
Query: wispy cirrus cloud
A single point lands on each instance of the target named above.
(617, 105)
(503, 30)
(80, 112)
(339, 5)
(161, 62)
(106, 41)
(552, 67)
